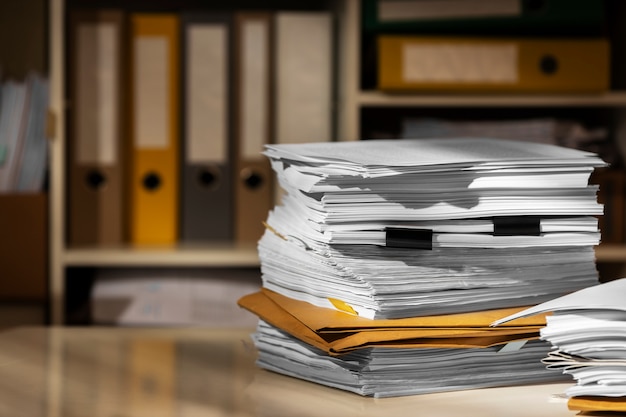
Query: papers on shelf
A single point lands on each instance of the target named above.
(588, 333)
(563, 132)
(171, 297)
(23, 113)
(544, 130)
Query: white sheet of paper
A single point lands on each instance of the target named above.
(606, 296)
(431, 152)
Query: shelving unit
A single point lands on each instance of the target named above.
(355, 99)
(63, 257)
(23, 215)
(613, 99)
(351, 100)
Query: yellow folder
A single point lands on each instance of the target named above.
(305, 322)
(597, 404)
(325, 320)
(448, 64)
(154, 129)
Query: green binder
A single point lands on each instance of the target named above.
(495, 17)
(3, 154)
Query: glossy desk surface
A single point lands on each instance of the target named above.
(122, 372)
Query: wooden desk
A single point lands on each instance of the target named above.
(113, 372)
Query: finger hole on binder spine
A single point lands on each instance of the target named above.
(208, 178)
(252, 179)
(151, 181)
(95, 180)
(548, 64)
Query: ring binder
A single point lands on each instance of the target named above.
(154, 143)
(207, 193)
(97, 127)
(253, 190)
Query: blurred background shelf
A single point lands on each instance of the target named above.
(378, 98)
(358, 111)
(201, 255)
(611, 253)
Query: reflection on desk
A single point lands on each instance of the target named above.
(115, 372)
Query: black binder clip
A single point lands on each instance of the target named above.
(517, 226)
(409, 238)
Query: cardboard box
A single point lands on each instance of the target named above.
(23, 246)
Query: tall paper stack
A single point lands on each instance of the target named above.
(453, 230)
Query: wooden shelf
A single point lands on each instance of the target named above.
(611, 253)
(381, 99)
(218, 255)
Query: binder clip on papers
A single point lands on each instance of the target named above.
(408, 238)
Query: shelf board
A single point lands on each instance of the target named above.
(611, 253)
(381, 99)
(202, 255)
(218, 255)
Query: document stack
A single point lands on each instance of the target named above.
(403, 249)
(588, 333)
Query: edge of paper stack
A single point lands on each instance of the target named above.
(387, 261)
(587, 330)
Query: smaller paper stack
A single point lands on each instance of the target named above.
(588, 334)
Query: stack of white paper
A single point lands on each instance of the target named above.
(396, 229)
(391, 372)
(399, 228)
(588, 333)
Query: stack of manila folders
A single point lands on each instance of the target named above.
(387, 261)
